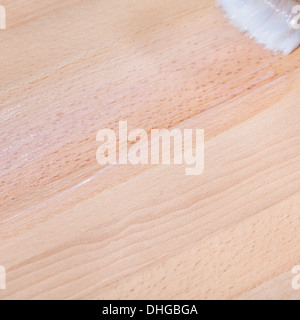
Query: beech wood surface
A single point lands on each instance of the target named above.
(71, 229)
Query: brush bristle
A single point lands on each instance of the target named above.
(269, 22)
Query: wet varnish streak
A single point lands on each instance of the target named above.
(72, 229)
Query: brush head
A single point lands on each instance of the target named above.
(272, 23)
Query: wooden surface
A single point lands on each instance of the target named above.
(71, 229)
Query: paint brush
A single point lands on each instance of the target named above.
(273, 23)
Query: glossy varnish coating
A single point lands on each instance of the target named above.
(72, 229)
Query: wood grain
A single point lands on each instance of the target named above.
(71, 229)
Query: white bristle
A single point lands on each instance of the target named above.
(270, 22)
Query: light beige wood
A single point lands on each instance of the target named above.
(71, 229)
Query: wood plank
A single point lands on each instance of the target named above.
(71, 229)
